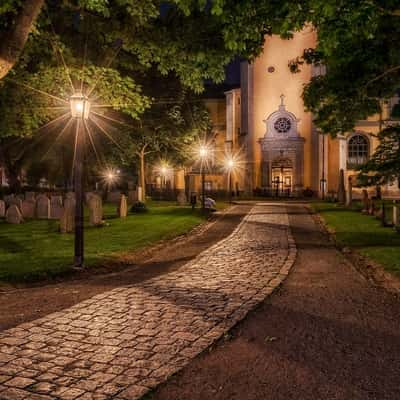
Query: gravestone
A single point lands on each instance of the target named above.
(8, 199)
(15, 201)
(349, 197)
(67, 220)
(95, 204)
(70, 195)
(28, 208)
(56, 207)
(2, 208)
(365, 202)
(88, 195)
(140, 196)
(123, 207)
(42, 207)
(395, 216)
(30, 196)
(13, 215)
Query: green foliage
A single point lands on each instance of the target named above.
(356, 46)
(195, 39)
(396, 111)
(25, 107)
(384, 165)
(176, 119)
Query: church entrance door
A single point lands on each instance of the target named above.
(282, 176)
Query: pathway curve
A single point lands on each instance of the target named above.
(121, 343)
(326, 334)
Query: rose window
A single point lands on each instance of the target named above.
(282, 125)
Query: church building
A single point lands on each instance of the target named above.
(264, 124)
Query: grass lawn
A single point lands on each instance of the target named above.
(36, 250)
(363, 233)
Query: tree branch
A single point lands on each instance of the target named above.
(387, 72)
(14, 41)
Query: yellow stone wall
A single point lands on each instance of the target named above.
(269, 86)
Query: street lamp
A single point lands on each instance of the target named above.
(80, 108)
(203, 153)
(230, 165)
(110, 178)
(163, 171)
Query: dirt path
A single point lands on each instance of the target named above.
(326, 334)
(26, 304)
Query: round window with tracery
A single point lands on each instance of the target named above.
(282, 125)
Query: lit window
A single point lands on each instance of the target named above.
(357, 150)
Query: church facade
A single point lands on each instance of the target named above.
(264, 124)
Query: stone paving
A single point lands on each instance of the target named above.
(122, 343)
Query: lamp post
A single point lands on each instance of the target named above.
(164, 177)
(203, 152)
(230, 164)
(80, 108)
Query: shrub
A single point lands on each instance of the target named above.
(139, 207)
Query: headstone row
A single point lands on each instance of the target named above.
(43, 207)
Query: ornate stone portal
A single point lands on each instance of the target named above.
(282, 152)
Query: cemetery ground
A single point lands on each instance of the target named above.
(363, 234)
(35, 250)
(25, 301)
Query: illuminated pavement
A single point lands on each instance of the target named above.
(122, 343)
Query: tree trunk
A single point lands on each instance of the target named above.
(13, 179)
(13, 42)
(12, 166)
(143, 174)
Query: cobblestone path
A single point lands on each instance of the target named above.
(122, 343)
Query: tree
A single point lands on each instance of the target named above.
(357, 43)
(357, 46)
(173, 35)
(167, 130)
(15, 31)
(384, 165)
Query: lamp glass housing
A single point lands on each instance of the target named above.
(80, 106)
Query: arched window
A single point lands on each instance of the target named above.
(357, 150)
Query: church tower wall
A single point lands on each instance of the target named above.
(263, 83)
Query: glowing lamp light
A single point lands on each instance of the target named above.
(230, 163)
(203, 152)
(80, 106)
(111, 176)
